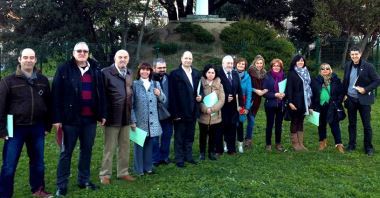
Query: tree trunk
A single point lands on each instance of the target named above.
(189, 7)
(142, 31)
(181, 9)
(345, 51)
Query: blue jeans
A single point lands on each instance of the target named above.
(34, 138)
(143, 157)
(86, 134)
(161, 151)
(250, 125)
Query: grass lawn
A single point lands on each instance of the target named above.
(256, 173)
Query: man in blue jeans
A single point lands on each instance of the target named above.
(161, 151)
(25, 95)
(78, 102)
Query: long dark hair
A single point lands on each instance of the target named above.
(294, 61)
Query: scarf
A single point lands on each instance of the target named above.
(259, 74)
(278, 77)
(326, 80)
(303, 73)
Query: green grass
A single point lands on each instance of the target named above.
(255, 173)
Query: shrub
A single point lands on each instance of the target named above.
(248, 38)
(166, 48)
(193, 32)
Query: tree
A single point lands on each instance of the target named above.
(302, 12)
(359, 19)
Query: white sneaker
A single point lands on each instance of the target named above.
(240, 147)
(225, 147)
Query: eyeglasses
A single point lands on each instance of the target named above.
(325, 68)
(80, 51)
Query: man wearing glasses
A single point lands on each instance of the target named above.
(78, 102)
(360, 81)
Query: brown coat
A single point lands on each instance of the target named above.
(207, 89)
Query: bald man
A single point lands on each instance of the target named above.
(184, 106)
(25, 95)
(117, 80)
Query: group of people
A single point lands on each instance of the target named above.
(220, 99)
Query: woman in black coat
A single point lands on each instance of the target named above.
(327, 98)
(298, 92)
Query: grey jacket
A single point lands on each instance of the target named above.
(144, 108)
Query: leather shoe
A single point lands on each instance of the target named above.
(61, 192)
(127, 178)
(165, 162)
(89, 186)
(105, 180)
(180, 164)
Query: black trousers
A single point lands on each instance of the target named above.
(183, 140)
(322, 128)
(274, 116)
(353, 106)
(228, 130)
(209, 131)
(240, 131)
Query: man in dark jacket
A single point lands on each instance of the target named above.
(25, 95)
(360, 81)
(118, 89)
(184, 108)
(78, 102)
(230, 116)
(161, 150)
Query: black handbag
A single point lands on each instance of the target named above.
(339, 112)
(163, 113)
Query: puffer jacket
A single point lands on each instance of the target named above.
(27, 100)
(216, 108)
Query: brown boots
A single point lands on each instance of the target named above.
(322, 145)
(297, 141)
(247, 143)
(340, 148)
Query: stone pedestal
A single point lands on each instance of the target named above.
(203, 18)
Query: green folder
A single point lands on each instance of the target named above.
(10, 125)
(282, 86)
(138, 136)
(313, 118)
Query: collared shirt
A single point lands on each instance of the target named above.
(84, 69)
(117, 68)
(353, 78)
(188, 74)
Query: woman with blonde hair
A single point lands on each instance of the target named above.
(327, 100)
(257, 73)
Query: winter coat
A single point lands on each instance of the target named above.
(182, 95)
(270, 100)
(256, 99)
(246, 88)
(67, 93)
(216, 108)
(295, 93)
(118, 91)
(27, 101)
(368, 78)
(144, 107)
(336, 96)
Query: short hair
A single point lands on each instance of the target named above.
(144, 65)
(227, 57)
(80, 43)
(238, 60)
(157, 61)
(294, 61)
(277, 60)
(355, 48)
(208, 67)
(257, 58)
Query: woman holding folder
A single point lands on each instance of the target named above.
(211, 116)
(274, 104)
(146, 94)
(327, 98)
(299, 95)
